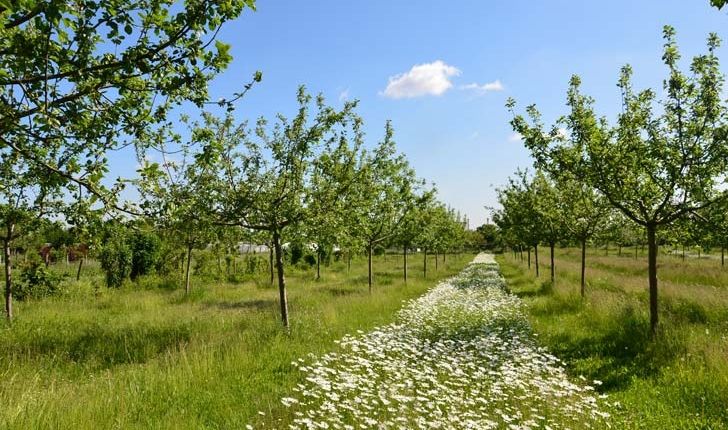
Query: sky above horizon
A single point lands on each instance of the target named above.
(442, 71)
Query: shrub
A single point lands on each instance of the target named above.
(116, 260)
(36, 281)
(146, 249)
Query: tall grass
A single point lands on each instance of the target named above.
(147, 356)
(675, 380)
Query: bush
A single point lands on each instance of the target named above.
(36, 281)
(146, 249)
(116, 260)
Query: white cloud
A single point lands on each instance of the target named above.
(344, 95)
(422, 79)
(482, 89)
(515, 137)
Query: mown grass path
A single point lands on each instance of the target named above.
(460, 357)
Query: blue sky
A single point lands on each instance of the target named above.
(442, 71)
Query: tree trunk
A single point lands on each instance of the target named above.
(722, 256)
(652, 273)
(619, 252)
(270, 264)
(635, 251)
(318, 264)
(424, 270)
(281, 278)
(552, 245)
(437, 259)
(371, 274)
(405, 264)
(535, 254)
(187, 269)
(80, 264)
(8, 279)
(583, 265)
(529, 258)
(606, 249)
(683, 253)
(348, 257)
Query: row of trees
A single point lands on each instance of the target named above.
(82, 79)
(308, 179)
(656, 168)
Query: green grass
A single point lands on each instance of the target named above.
(675, 380)
(147, 356)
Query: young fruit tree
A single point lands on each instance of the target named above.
(654, 165)
(385, 196)
(266, 185)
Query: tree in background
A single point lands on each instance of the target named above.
(654, 167)
(267, 186)
(27, 195)
(386, 195)
(519, 215)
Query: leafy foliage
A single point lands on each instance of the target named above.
(146, 253)
(36, 281)
(116, 259)
(654, 166)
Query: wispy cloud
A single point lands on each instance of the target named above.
(420, 80)
(482, 89)
(344, 95)
(515, 137)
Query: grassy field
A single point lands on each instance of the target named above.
(147, 356)
(676, 380)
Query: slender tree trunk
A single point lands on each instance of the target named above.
(683, 253)
(699, 250)
(8, 278)
(318, 264)
(529, 258)
(424, 270)
(535, 254)
(583, 265)
(281, 278)
(270, 257)
(348, 257)
(722, 256)
(437, 259)
(635, 251)
(652, 273)
(606, 249)
(552, 245)
(619, 252)
(80, 265)
(405, 264)
(371, 274)
(187, 269)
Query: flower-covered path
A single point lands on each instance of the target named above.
(460, 357)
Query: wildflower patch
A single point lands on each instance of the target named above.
(460, 357)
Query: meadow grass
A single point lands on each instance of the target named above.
(677, 379)
(147, 356)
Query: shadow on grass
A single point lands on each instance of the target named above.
(99, 347)
(616, 351)
(339, 291)
(546, 288)
(258, 305)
